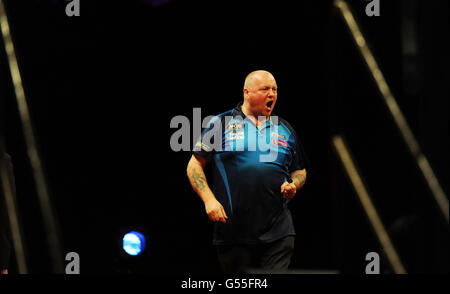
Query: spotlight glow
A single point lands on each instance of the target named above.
(133, 243)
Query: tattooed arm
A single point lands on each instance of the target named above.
(196, 175)
(299, 178)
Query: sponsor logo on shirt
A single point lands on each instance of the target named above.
(236, 136)
(235, 126)
(278, 136)
(203, 146)
(279, 142)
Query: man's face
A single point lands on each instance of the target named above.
(261, 95)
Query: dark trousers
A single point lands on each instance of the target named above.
(235, 259)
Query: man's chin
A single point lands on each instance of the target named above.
(267, 112)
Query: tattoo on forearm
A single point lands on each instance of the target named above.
(300, 178)
(199, 180)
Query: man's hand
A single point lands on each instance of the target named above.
(288, 190)
(4, 271)
(215, 211)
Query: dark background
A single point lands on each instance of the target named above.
(103, 88)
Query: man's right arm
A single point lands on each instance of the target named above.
(196, 175)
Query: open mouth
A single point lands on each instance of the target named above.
(269, 104)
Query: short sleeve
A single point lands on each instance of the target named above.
(210, 139)
(299, 159)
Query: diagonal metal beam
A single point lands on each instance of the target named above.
(433, 184)
(7, 183)
(354, 175)
(30, 140)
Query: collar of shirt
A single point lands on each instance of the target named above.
(237, 112)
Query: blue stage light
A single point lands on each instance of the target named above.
(133, 243)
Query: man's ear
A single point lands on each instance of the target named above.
(245, 93)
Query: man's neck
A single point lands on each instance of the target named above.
(253, 117)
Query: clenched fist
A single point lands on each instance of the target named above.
(215, 211)
(288, 190)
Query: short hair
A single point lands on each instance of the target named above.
(249, 78)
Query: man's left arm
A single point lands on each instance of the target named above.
(298, 180)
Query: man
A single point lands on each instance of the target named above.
(257, 165)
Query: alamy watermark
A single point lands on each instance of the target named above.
(373, 8)
(73, 8)
(233, 131)
(73, 266)
(373, 267)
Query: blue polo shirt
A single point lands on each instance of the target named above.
(248, 165)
